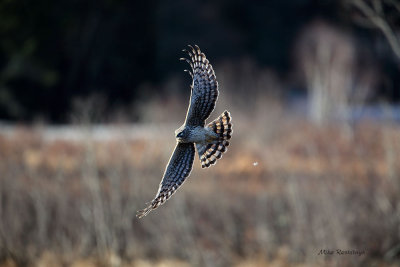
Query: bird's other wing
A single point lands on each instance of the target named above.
(204, 88)
(177, 170)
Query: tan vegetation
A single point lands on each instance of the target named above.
(278, 197)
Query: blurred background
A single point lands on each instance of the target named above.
(92, 91)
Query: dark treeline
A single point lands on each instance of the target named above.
(54, 51)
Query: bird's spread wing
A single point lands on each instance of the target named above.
(204, 88)
(178, 168)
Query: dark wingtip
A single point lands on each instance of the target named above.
(141, 213)
(191, 47)
(145, 211)
(198, 50)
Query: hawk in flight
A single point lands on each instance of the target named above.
(211, 140)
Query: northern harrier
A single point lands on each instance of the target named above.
(211, 140)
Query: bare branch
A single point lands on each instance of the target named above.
(377, 17)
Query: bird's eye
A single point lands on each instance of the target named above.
(180, 134)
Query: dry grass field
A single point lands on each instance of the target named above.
(285, 191)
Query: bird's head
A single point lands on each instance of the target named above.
(181, 134)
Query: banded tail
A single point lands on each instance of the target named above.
(209, 153)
